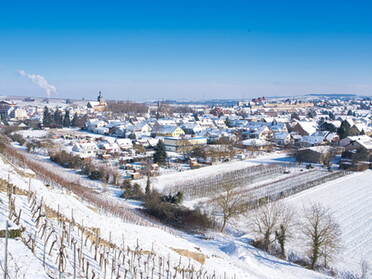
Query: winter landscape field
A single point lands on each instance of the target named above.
(224, 256)
(229, 255)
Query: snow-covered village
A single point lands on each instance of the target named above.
(260, 188)
(185, 139)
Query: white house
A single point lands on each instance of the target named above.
(176, 143)
(124, 143)
(282, 138)
(85, 150)
(95, 123)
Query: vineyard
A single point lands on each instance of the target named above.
(256, 183)
(207, 186)
(75, 231)
(71, 248)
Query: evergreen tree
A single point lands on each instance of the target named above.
(74, 120)
(57, 118)
(228, 122)
(46, 116)
(66, 119)
(350, 112)
(160, 154)
(148, 187)
(344, 130)
(311, 114)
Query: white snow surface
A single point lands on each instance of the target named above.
(224, 253)
(350, 200)
(168, 179)
(21, 262)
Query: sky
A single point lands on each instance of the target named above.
(139, 50)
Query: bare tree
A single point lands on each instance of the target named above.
(283, 232)
(185, 147)
(232, 204)
(322, 232)
(147, 171)
(266, 219)
(115, 177)
(327, 157)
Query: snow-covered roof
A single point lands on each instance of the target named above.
(165, 129)
(254, 142)
(281, 136)
(308, 127)
(364, 141)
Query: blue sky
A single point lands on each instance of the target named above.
(140, 50)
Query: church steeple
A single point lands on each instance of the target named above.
(100, 98)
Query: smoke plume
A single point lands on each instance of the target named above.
(40, 81)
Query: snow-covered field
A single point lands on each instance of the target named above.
(224, 254)
(350, 199)
(163, 181)
(21, 262)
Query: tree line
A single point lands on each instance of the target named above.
(60, 118)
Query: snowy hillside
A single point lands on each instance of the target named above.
(217, 254)
(350, 199)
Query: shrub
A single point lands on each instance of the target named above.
(95, 175)
(132, 191)
(7, 130)
(66, 160)
(177, 198)
(176, 215)
(18, 138)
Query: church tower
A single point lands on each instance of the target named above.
(100, 99)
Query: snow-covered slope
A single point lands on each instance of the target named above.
(223, 254)
(350, 199)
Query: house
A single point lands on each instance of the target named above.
(220, 124)
(262, 132)
(346, 141)
(95, 123)
(358, 129)
(213, 134)
(85, 150)
(177, 143)
(191, 128)
(108, 147)
(257, 144)
(124, 144)
(6, 107)
(18, 113)
(318, 138)
(358, 142)
(101, 130)
(143, 127)
(282, 138)
(206, 124)
(305, 128)
(167, 131)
